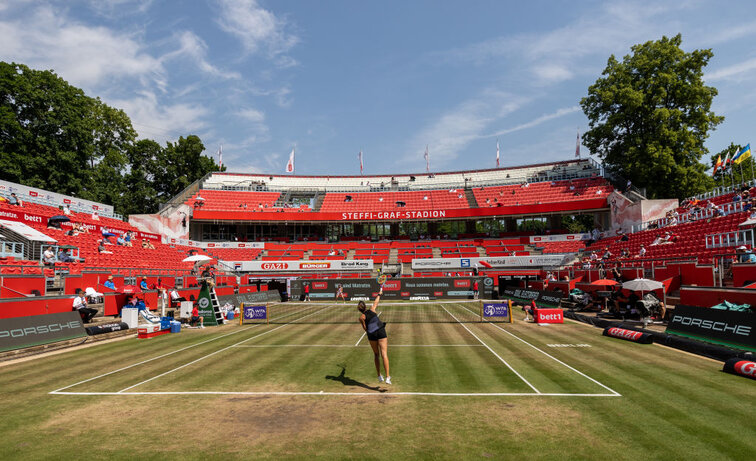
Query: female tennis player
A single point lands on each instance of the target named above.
(340, 293)
(376, 334)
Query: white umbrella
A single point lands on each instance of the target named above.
(197, 258)
(642, 285)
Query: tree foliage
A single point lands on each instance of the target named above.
(55, 137)
(649, 116)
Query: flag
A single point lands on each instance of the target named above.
(427, 160)
(220, 155)
(726, 163)
(290, 164)
(497, 153)
(717, 165)
(577, 145)
(360, 162)
(743, 154)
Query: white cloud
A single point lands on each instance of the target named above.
(192, 46)
(734, 71)
(253, 115)
(257, 28)
(453, 131)
(537, 121)
(159, 121)
(86, 56)
(556, 55)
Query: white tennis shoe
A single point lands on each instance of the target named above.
(388, 379)
(380, 378)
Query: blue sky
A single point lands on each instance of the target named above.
(334, 77)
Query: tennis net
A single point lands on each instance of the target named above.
(464, 311)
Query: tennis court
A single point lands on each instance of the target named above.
(438, 349)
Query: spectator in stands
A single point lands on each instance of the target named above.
(66, 210)
(120, 241)
(196, 318)
(176, 298)
(109, 283)
(625, 253)
(745, 256)
(127, 238)
(607, 254)
(106, 234)
(48, 257)
(146, 244)
(642, 251)
(143, 284)
(80, 305)
(64, 257)
(13, 200)
(587, 263)
(95, 216)
(101, 248)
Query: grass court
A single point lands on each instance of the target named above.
(297, 388)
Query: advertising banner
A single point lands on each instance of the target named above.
(742, 367)
(525, 295)
(714, 325)
(250, 298)
(24, 217)
(33, 330)
(549, 315)
(419, 288)
(254, 312)
(302, 265)
(559, 238)
(55, 199)
(196, 244)
(497, 312)
(488, 263)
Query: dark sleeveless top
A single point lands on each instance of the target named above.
(372, 322)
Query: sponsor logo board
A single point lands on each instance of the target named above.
(495, 310)
(20, 332)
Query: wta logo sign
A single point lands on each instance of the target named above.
(495, 310)
(255, 312)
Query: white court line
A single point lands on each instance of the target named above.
(360, 394)
(556, 359)
(161, 356)
(493, 352)
(213, 353)
(365, 345)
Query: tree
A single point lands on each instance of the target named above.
(649, 116)
(55, 137)
(181, 164)
(45, 131)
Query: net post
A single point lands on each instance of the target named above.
(241, 314)
(509, 308)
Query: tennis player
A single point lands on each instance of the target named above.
(340, 293)
(376, 334)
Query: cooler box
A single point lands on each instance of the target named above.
(175, 327)
(165, 323)
(230, 315)
(130, 316)
(185, 310)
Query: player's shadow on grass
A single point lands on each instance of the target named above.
(347, 381)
